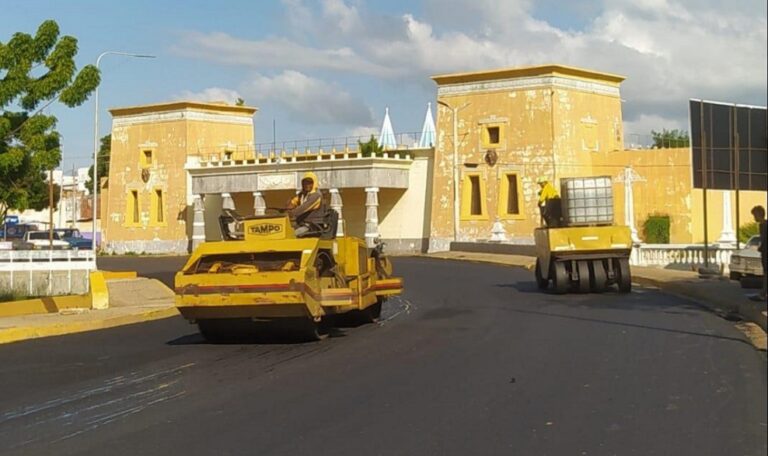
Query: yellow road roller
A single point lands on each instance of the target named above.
(262, 277)
(584, 251)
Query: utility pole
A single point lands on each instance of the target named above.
(455, 111)
(50, 209)
(74, 201)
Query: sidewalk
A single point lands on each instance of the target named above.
(725, 297)
(130, 301)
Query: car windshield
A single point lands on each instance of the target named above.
(753, 242)
(42, 235)
(69, 233)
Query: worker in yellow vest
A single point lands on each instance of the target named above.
(549, 202)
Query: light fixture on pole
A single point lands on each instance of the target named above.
(455, 112)
(94, 206)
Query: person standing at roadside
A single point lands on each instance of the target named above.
(758, 212)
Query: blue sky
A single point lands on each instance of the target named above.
(330, 67)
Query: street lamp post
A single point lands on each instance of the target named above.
(455, 112)
(96, 142)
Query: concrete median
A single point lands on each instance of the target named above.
(116, 299)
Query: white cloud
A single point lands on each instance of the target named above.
(309, 100)
(210, 94)
(345, 17)
(276, 53)
(669, 50)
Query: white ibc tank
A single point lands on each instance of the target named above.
(587, 200)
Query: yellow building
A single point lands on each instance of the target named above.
(147, 208)
(500, 130)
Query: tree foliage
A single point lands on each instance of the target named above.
(667, 139)
(104, 152)
(35, 72)
(371, 148)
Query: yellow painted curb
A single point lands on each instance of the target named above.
(99, 291)
(115, 275)
(50, 304)
(57, 329)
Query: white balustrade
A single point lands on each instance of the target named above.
(692, 255)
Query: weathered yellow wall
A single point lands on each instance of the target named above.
(667, 190)
(172, 131)
(542, 134)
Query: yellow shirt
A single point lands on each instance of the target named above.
(547, 193)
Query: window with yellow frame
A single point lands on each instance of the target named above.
(147, 158)
(492, 135)
(473, 205)
(132, 208)
(510, 197)
(157, 208)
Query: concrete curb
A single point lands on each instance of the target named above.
(58, 328)
(52, 304)
(748, 312)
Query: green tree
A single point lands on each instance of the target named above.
(37, 183)
(104, 150)
(36, 71)
(371, 148)
(667, 139)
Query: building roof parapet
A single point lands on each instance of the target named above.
(217, 107)
(527, 72)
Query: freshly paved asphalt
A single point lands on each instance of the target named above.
(472, 360)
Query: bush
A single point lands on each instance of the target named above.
(748, 230)
(7, 295)
(370, 148)
(656, 229)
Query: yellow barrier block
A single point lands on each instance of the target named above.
(99, 291)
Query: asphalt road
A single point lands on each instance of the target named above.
(472, 360)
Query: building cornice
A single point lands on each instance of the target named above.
(596, 87)
(180, 115)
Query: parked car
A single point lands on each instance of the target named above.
(746, 263)
(75, 239)
(40, 240)
(15, 233)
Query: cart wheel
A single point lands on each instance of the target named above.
(540, 281)
(598, 278)
(583, 269)
(559, 277)
(623, 276)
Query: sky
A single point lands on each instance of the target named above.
(329, 68)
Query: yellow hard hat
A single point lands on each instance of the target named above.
(541, 180)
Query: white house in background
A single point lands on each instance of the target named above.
(74, 208)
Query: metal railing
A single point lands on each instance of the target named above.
(404, 141)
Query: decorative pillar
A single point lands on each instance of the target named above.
(259, 205)
(336, 205)
(728, 235)
(371, 216)
(628, 177)
(227, 202)
(198, 220)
